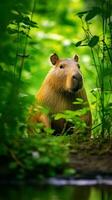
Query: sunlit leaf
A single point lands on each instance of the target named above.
(80, 100)
(59, 116)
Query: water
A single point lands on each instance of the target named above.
(48, 192)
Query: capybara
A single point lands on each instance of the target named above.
(61, 87)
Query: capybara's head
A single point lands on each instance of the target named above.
(65, 74)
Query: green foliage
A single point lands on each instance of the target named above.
(101, 51)
(25, 156)
(13, 97)
(75, 118)
(38, 156)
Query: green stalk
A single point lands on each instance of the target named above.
(23, 56)
(102, 82)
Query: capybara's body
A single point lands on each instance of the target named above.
(61, 87)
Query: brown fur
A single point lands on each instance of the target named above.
(59, 90)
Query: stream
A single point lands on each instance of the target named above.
(55, 189)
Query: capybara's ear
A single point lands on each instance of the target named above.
(54, 58)
(76, 58)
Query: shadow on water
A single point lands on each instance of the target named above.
(55, 193)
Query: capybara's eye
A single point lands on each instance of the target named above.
(61, 66)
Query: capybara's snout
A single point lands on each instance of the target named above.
(77, 76)
(77, 82)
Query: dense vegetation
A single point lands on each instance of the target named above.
(30, 32)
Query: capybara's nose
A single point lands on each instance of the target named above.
(77, 77)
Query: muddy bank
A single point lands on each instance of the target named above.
(92, 157)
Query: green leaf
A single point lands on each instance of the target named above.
(80, 14)
(92, 13)
(28, 22)
(49, 131)
(11, 30)
(59, 116)
(24, 33)
(93, 41)
(80, 100)
(78, 43)
(16, 17)
(33, 24)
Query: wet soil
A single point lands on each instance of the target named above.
(93, 157)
